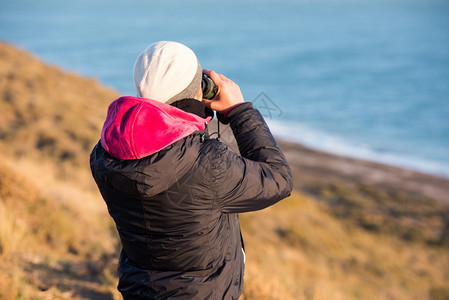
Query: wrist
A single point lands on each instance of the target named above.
(234, 112)
(229, 109)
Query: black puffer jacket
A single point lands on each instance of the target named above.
(176, 210)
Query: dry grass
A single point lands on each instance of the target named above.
(297, 250)
(44, 242)
(12, 232)
(412, 218)
(56, 239)
(48, 114)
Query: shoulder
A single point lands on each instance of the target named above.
(213, 145)
(219, 158)
(213, 149)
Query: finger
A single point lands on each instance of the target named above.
(222, 77)
(214, 105)
(213, 75)
(207, 103)
(207, 72)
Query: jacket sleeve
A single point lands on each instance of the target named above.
(259, 177)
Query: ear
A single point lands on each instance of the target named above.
(199, 94)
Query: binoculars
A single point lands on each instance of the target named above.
(209, 88)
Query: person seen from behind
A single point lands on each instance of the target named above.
(175, 193)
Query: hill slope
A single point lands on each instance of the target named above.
(297, 249)
(329, 241)
(56, 238)
(47, 113)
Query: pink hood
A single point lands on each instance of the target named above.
(137, 127)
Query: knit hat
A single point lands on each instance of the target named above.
(167, 72)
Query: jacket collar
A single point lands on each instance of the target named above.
(193, 106)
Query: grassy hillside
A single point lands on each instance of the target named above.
(298, 249)
(56, 239)
(330, 241)
(46, 113)
(50, 247)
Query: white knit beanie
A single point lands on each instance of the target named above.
(167, 72)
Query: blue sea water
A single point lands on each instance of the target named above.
(367, 79)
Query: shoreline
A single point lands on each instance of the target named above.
(310, 167)
(323, 142)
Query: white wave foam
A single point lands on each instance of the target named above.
(300, 133)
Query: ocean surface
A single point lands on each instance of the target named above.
(366, 79)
